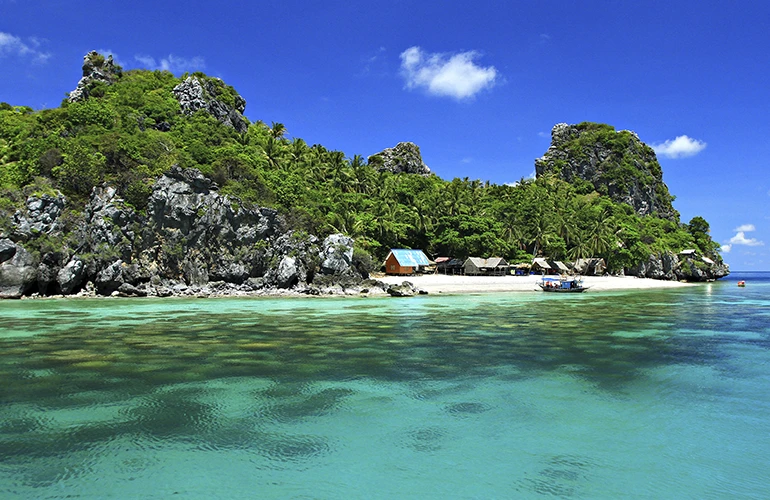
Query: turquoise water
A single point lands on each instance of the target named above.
(642, 394)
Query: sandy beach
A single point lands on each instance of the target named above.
(441, 283)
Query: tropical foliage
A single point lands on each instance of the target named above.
(128, 133)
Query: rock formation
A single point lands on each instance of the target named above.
(669, 266)
(213, 96)
(95, 69)
(192, 240)
(405, 158)
(617, 164)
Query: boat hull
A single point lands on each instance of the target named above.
(564, 290)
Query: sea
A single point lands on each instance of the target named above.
(618, 394)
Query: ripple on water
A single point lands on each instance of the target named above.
(291, 448)
(466, 408)
(560, 475)
(293, 404)
(425, 439)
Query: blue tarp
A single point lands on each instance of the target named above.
(410, 258)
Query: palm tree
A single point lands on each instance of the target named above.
(277, 130)
(298, 151)
(541, 235)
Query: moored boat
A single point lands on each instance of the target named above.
(562, 285)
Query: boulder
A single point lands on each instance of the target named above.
(7, 249)
(128, 290)
(70, 276)
(288, 273)
(18, 274)
(110, 278)
(336, 254)
(405, 289)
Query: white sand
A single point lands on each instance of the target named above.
(441, 283)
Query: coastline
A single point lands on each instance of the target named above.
(460, 284)
(432, 284)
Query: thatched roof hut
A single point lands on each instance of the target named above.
(488, 267)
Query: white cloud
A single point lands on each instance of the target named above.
(172, 63)
(741, 239)
(681, 147)
(11, 45)
(450, 75)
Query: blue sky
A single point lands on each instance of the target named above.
(477, 85)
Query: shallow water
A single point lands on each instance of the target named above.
(642, 394)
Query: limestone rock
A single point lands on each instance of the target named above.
(7, 249)
(95, 69)
(70, 276)
(17, 274)
(41, 215)
(617, 164)
(214, 97)
(404, 158)
(336, 254)
(287, 274)
(669, 266)
(405, 289)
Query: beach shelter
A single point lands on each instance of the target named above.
(449, 265)
(405, 261)
(490, 266)
(540, 264)
(559, 266)
(592, 266)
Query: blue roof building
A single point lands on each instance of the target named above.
(405, 261)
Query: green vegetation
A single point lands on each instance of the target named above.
(114, 136)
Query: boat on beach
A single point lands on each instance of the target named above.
(562, 284)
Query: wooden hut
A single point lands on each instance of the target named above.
(448, 265)
(540, 265)
(402, 261)
(594, 266)
(493, 266)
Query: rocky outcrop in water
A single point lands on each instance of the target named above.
(96, 70)
(191, 241)
(214, 97)
(669, 266)
(404, 158)
(615, 163)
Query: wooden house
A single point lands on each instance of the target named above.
(402, 261)
(493, 266)
(449, 265)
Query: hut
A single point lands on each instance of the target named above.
(405, 261)
(594, 266)
(493, 266)
(448, 265)
(540, 265)
(559, 266)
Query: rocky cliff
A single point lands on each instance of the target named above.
(669, 266)
(404, 158)
(190, 240)
(615, 163)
